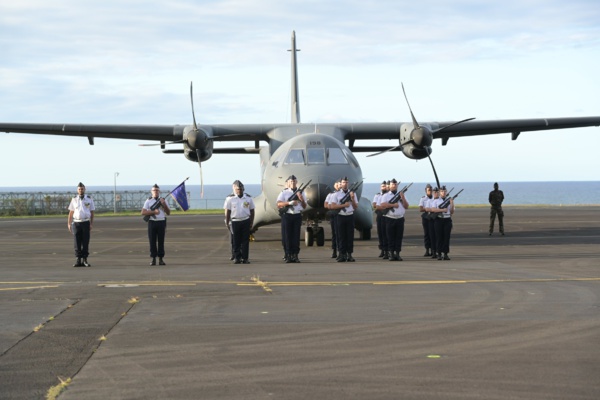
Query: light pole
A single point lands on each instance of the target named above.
(115, 192)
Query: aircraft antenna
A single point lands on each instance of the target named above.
(295, 96)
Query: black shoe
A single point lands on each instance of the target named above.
(78, 263)
(286, 257)
(160, 261)
(153, 262)
(439, 257)
(341, 258)
(433, 255)
(237, 261)
(502, 233)
(232, 257)
(296, 259)
(427, 253)
(490, 233)
(398, 258)
(350, 258)
(446, 256)
(334, 254)
(381, 254)
(85, 263)
(245, 261)
(386, 255)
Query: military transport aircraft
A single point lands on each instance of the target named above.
(320, 153)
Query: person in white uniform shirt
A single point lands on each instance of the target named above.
(291, 220)
(332, 220)
(394, 220)
(378, 219)
(79, 223)
(157, 225)
(425, 219)
(345, 220)
(239, 212)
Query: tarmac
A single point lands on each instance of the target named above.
(508, 317)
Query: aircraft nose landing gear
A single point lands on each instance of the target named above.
(313, 233)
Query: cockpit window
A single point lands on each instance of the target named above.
(316, 155)
(295, 156)
(335, 156)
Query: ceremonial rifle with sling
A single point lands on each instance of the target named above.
(293, 197)
(396, 198)
(346, 197)
(444, 204)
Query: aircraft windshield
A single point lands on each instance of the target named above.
(336, 156)
(295, 156)
(316, 155)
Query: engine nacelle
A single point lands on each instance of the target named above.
(197, 141)
(416, 153)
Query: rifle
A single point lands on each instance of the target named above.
(396, 198)
(158, 203)
(444, 204)
(293, 197)
(154, 207)
(346, 197)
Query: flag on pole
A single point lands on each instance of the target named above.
(180, 196)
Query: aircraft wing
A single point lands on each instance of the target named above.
(391, 130)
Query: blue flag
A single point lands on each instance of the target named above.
(180, 196)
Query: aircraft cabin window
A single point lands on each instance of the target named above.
(335, 156)
(295, 156)
(316, 155)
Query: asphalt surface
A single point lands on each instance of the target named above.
(512, 317)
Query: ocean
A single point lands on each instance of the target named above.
(515, 193)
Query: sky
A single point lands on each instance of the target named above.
(131, 62)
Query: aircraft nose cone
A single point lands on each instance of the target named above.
(315, 194)
(422, 137)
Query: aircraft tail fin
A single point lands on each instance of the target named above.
(295, 97)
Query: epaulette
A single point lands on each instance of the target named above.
(231, 195)
(150, 198)
(248, 194)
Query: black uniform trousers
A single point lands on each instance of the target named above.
(81, 239)
(334, 236)
(443, 227)
(432, 235)
(394, 229)
(290, 230)
(241, 238)
(345, 232)
(156, 237)
(381, 235)
(426, 234)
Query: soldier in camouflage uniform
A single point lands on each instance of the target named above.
(496, 198)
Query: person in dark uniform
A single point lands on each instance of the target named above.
(425, 219)
(378, 219)
(239, 212)
(345, 220)
(394, 220)
(332, 221)
(80, 222)
(291, 219)
(443, 224)
(157, 225)
(496, 198)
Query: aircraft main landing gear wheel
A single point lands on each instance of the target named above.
(309, 236)
(320, 236)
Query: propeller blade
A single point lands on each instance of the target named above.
(192, 100)
(384, 151)
(161, 144)
(434, 172)
(201, 177)
(415, 123)
(456, 123)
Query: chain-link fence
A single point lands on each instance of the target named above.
(46, 203)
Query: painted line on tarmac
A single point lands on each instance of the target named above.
(27, 288)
